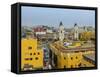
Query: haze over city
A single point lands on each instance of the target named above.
(32, 16)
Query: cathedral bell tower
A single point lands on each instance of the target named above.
(61, 32)
(76, 31)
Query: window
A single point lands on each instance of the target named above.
(30, 53)
(79, 64)
(30, 58)
(34, 53)
(38, 53)
(36, 58)
(29, 47)
(76, 57)
(26, 58)
(71, 66)
(71, 58)
(64, 66)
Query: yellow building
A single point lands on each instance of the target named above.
(31, 55)
(71, 60)
(88, 35)
(68, 57)
(65, 59)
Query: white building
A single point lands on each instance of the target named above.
(76, 32)
(61, 32)
(49, 31)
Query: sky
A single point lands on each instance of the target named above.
(31, 16)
